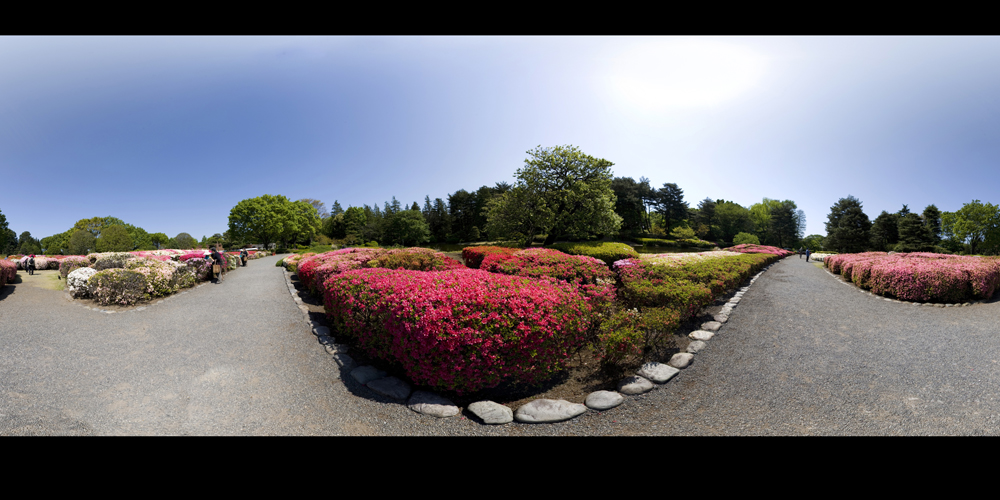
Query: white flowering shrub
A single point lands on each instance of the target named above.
(77, 282)
(118, 286)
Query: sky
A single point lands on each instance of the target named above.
(170, 133)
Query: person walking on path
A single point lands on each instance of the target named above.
(802, 250)
(243, 256)
(31, 265)
(217, 265)
(807, 255)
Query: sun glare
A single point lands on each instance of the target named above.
(683, 73)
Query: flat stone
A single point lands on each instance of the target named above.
(345, 361)
(365, 374)
(681, 360)
(657, 372)
(143, 308)
(319, 331)
(492, 413)
(391, 387)
(938, 305)
(735, 300)
(695, 346)
(603, 400)
(432, 404)
(701, 335)
(711, 326)
(548, 410)
(634, 385)
(966, 304)
(304, 309)
(726, 309)
(721, 318)
(325, 339)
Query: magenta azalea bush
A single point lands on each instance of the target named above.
(314, 271)
(592, 277)
(473, 256)
(461, 330)
(751, 248)
(919, 276)
(8, 271)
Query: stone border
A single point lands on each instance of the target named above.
(851, 284)
(650, 376)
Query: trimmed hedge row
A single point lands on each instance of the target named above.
(313, 271)
(591, 277)
(607, 251)
(461, 330)
(681, 243)
(920, 277)
(474, 256)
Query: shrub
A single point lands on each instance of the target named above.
(461, 330)
(118, 286)
(72, 263)
(8, 271)
(921, 277)
(313, 271)
(607, 251)
(474, 256)
(594, 280)
(112, 260)
(77, 282)
(159, 275)
(750, 248)
(746, 238)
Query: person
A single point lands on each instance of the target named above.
(216, 260)
(31, 265)
(807, 255)
(243, 256)
(802, 250)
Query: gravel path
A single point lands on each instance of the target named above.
(802, 354)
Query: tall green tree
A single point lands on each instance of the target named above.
(271, 219)
(913, 234)
(670, 205)
(407, 228)
(571, 192)
(847, 227)
(114, 239)
(630, 204)
(732, 219)
(4, 234)
(884, 231)
(976, 224)
(932, 221)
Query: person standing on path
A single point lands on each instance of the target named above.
(216, 265)
(31, 265)
(807, 255)
(802, 250)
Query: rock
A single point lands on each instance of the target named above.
(734, 300)
(346, 362)
(492, 413)
(711, 326)
(304, 309)
(391, 387)
(681, 360)
(325, 339)
(634, 385)
(365, 374)
(695, 346)
(319, 331)
(721, 318)
(701, 335)
(548, 410)
(432, 404)
(603, 400)
(657, 372)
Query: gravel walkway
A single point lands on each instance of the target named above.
(801, 355)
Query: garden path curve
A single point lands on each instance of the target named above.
(801, 354)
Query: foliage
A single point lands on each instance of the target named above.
(72, 263)
(670, 205)
(747, 248)
(407, 227)
(813, 242)
(743, 238)
(847, 226)
(732, 219)
(682, 233)
(270, 219)
(914, 235)
(884, 231)
(976, 224)
(113, 260)
(590, 275)
(461, 330)
(473, 256)
(606, 251)
(114, 239)
(631, 200)
(118, 286)
(561, 192)
(8, 271)
(918, 276)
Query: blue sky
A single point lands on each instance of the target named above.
(170, 133)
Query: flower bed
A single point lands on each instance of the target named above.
(594, 280)
(918, 276)
(681, 243)
(606, 251)
(8, 271)
(314, 270)
(474, 256)
(751, 248)
(461, 330)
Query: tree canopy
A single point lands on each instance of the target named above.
(847, 226)
(271, 219)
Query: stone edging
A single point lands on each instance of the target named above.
(649, 377)
(840, 279)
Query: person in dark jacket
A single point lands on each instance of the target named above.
(244, 255)
(31, 265)
(217, 259)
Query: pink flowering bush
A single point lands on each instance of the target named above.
(474, 256)
(72, 263)
(462, 330)
(314, 271)
(590, 275)
(8, 271)
(751, 248)
(919, 276)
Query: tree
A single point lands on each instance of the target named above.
(575, 189)
(408, 227)
(847, 226)
(82, 243)
(813, 242)
(4, 234)
(670, 205)
(184, 241)
(732, 219)
(913, 234)
(746, 238)
(784, 227)
(518, 214)
(976, 223)
(884, 231)
(114, 239)
(159, 239)
(271, 219)
(932, 221)
(319, 206)
(28, 245)
(707, 220)
(630, 204)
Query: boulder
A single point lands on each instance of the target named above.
(492, 413)
(603, 400)
(548, 410)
